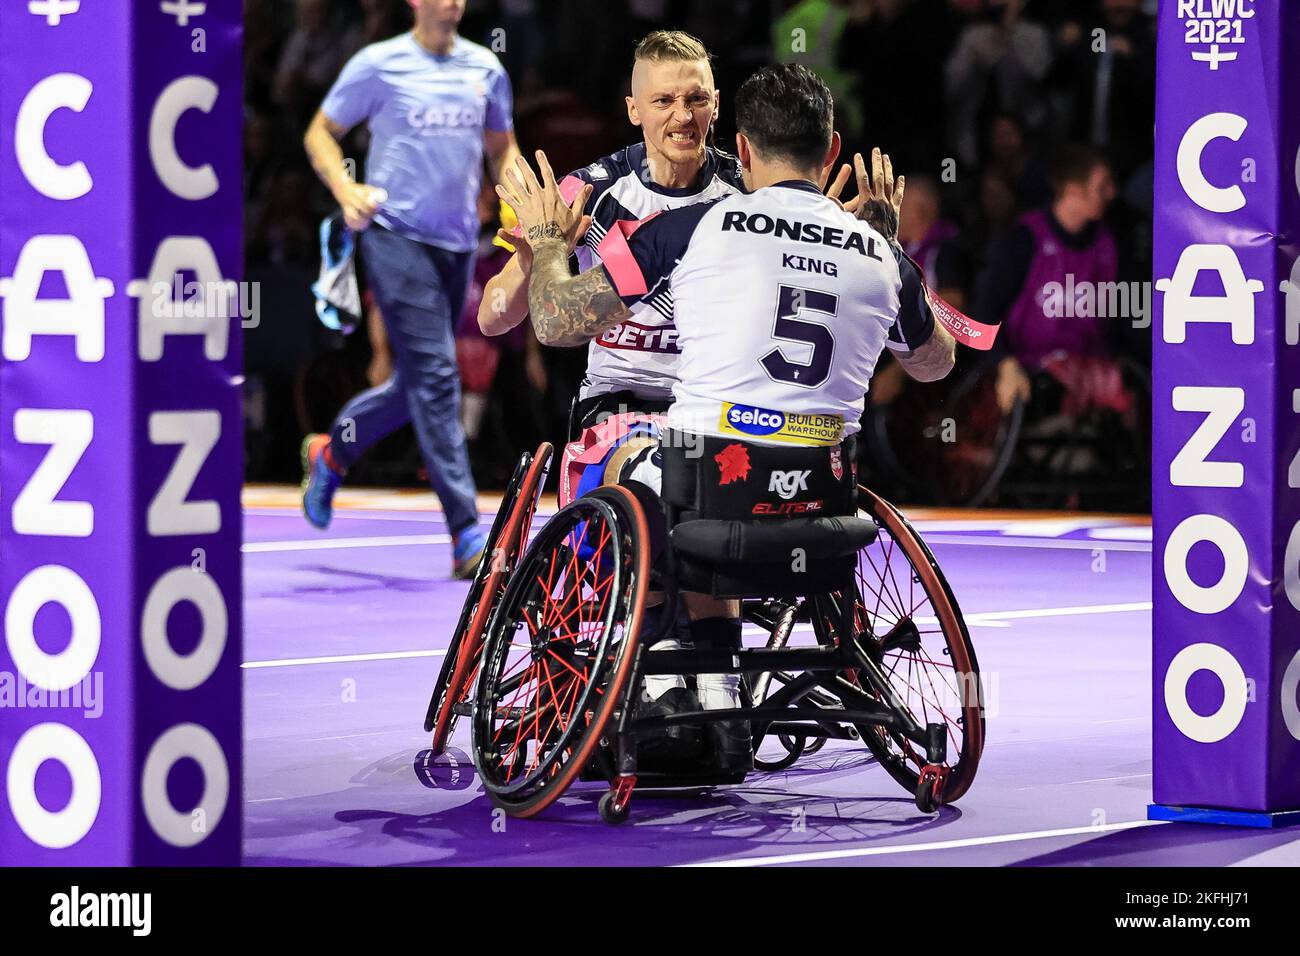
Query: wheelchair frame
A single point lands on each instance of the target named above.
(505, 542)
(780, 709)
(847, 689)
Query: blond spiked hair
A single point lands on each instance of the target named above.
(670, 46)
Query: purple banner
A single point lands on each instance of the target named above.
(1227, 407)
(120, 432)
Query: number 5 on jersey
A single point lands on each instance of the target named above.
(792, 302)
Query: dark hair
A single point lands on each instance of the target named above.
(787, 112)
(1073, 163)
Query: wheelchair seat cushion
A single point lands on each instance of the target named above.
(769, 542)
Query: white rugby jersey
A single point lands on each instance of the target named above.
(640, 355)
(782, 302)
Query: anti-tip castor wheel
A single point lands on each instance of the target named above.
(929, 788)
(793, 749)
(925, 801)
(611, 812)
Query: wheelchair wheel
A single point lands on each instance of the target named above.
(909, 623)
(950, 444)
(560, 650)
(506, 540)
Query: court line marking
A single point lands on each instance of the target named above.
(344, 658)
(1065, 544)
(1123, 528)
(400, 540)
(359, 516)
(798, 628)
(821, 855)
(331, 544)
(998, 618)
(485, 516)
(1076, 783)
(983, 616)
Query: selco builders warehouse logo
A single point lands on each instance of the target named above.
(780, 426)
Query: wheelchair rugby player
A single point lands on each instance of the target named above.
(783, 302)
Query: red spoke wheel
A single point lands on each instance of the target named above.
(908, 622)
(509, 533)
(560, 649)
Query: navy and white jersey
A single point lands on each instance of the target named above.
(782, 302)
(641, 355)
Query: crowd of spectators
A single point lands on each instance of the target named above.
(969, 97)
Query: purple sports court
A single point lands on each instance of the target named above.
(345, 632)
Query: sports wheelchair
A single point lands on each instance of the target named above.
(564, 656)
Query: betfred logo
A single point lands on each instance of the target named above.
(755, 421)
(641, 338)
(787, 484)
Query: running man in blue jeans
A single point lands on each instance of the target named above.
(435, 103)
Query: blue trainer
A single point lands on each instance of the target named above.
(467, 551)
(319, 481)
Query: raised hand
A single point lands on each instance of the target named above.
(543, 213)
(880, 197)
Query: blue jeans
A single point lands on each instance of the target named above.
(421, 291)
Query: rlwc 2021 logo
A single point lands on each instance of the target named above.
(1213, 25)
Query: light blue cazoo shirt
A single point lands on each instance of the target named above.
(427, 115)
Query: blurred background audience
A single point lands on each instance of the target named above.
(973, 99)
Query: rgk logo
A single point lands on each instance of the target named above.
(787, 484)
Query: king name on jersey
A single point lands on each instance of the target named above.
(814, 233)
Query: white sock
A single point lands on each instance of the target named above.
(718, 691)
(656, 685)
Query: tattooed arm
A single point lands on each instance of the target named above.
(568, 309)
(933, 359)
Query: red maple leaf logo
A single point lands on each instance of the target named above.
(733, 463)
